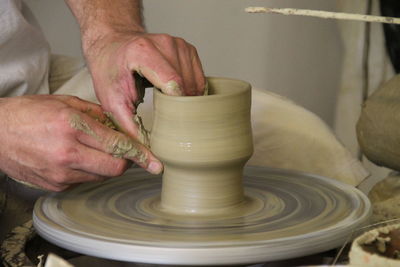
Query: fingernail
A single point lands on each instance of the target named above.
(173, 88)
(155, 167)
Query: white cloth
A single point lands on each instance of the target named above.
(349, 100)
(24, 52)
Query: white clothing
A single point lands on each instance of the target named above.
(350, 95)
(24, 52)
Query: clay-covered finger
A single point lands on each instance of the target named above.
(93, 134)
(128, 123)
(98, 162)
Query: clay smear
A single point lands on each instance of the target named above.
(122, 148)
(80, 124)
(173, 88)
(126, 148)
(143, 134)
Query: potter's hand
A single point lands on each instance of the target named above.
(56, 141)
(115, 46)
(169, 63)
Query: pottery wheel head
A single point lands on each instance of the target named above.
(284, 214)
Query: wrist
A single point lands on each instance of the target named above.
(94, 38)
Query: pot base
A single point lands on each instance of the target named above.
(285, 214)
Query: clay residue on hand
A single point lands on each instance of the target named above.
(112, 120)
(109, 123)
(206, 88)
(79, 124)
(143, 134)
(122, 148)
(173, 88)
(126, 148)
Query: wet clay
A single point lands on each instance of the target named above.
(173, 88)
(127, 148)
(12, 249)
(203, 142)
(377, 247)
(80, 124)
(386, 243)
(143, 134)
(123, 148)
(378, 128)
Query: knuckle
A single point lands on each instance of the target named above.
(142, 43)
(113, 143)
(66, 156)
(71, 98)
(63, 117)
(176, 77)
(193, 51)
(165, 38)
(201, 84)
(181, 41)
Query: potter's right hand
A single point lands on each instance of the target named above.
(54, 142)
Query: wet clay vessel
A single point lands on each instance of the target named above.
(206, 209)
(204, 143)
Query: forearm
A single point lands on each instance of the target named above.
(97, 18)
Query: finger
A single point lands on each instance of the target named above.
(73, 177)
(95, 135)
(97, 162)
(35, 181)
(150, 63)
(122, 117)
(198, 72)
(59, 181)
(187, 68)
(168, 47)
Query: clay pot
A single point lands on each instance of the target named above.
(204, 143)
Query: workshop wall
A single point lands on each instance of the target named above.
(296, 57)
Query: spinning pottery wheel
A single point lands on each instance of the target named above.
(287, 214)
(206, 209)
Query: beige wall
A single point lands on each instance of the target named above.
(293, 56)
